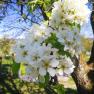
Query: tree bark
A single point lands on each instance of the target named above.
(83, 74)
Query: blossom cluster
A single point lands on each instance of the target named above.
(40, 57)
(68, 16)
(71, 39)
(69, 12)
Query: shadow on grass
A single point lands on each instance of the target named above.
(70, 91)
(7, 83)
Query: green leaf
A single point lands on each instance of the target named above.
(59, 89)
(32, 6)
(48, 14)
(54, 41)
(24, 16)
(47, 78)
(22, 69)
(41, 85)
(15, 68)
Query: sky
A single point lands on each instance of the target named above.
(13, 25)
(87, 29)
(12, 20)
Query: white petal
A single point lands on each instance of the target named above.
(52, 71)
(54, 63)
(68, 70)
(60, 71)
(42, 71)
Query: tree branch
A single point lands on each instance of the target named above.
(43, 13)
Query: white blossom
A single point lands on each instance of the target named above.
(65, 67)
(38, 33)
(68, 12)
(48, 64)
(31, 74)
(21, 51)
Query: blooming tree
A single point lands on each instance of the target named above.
(47, 49)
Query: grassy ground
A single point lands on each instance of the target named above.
(13, 85)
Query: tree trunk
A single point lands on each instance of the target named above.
(84, 79)
(83, 74)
